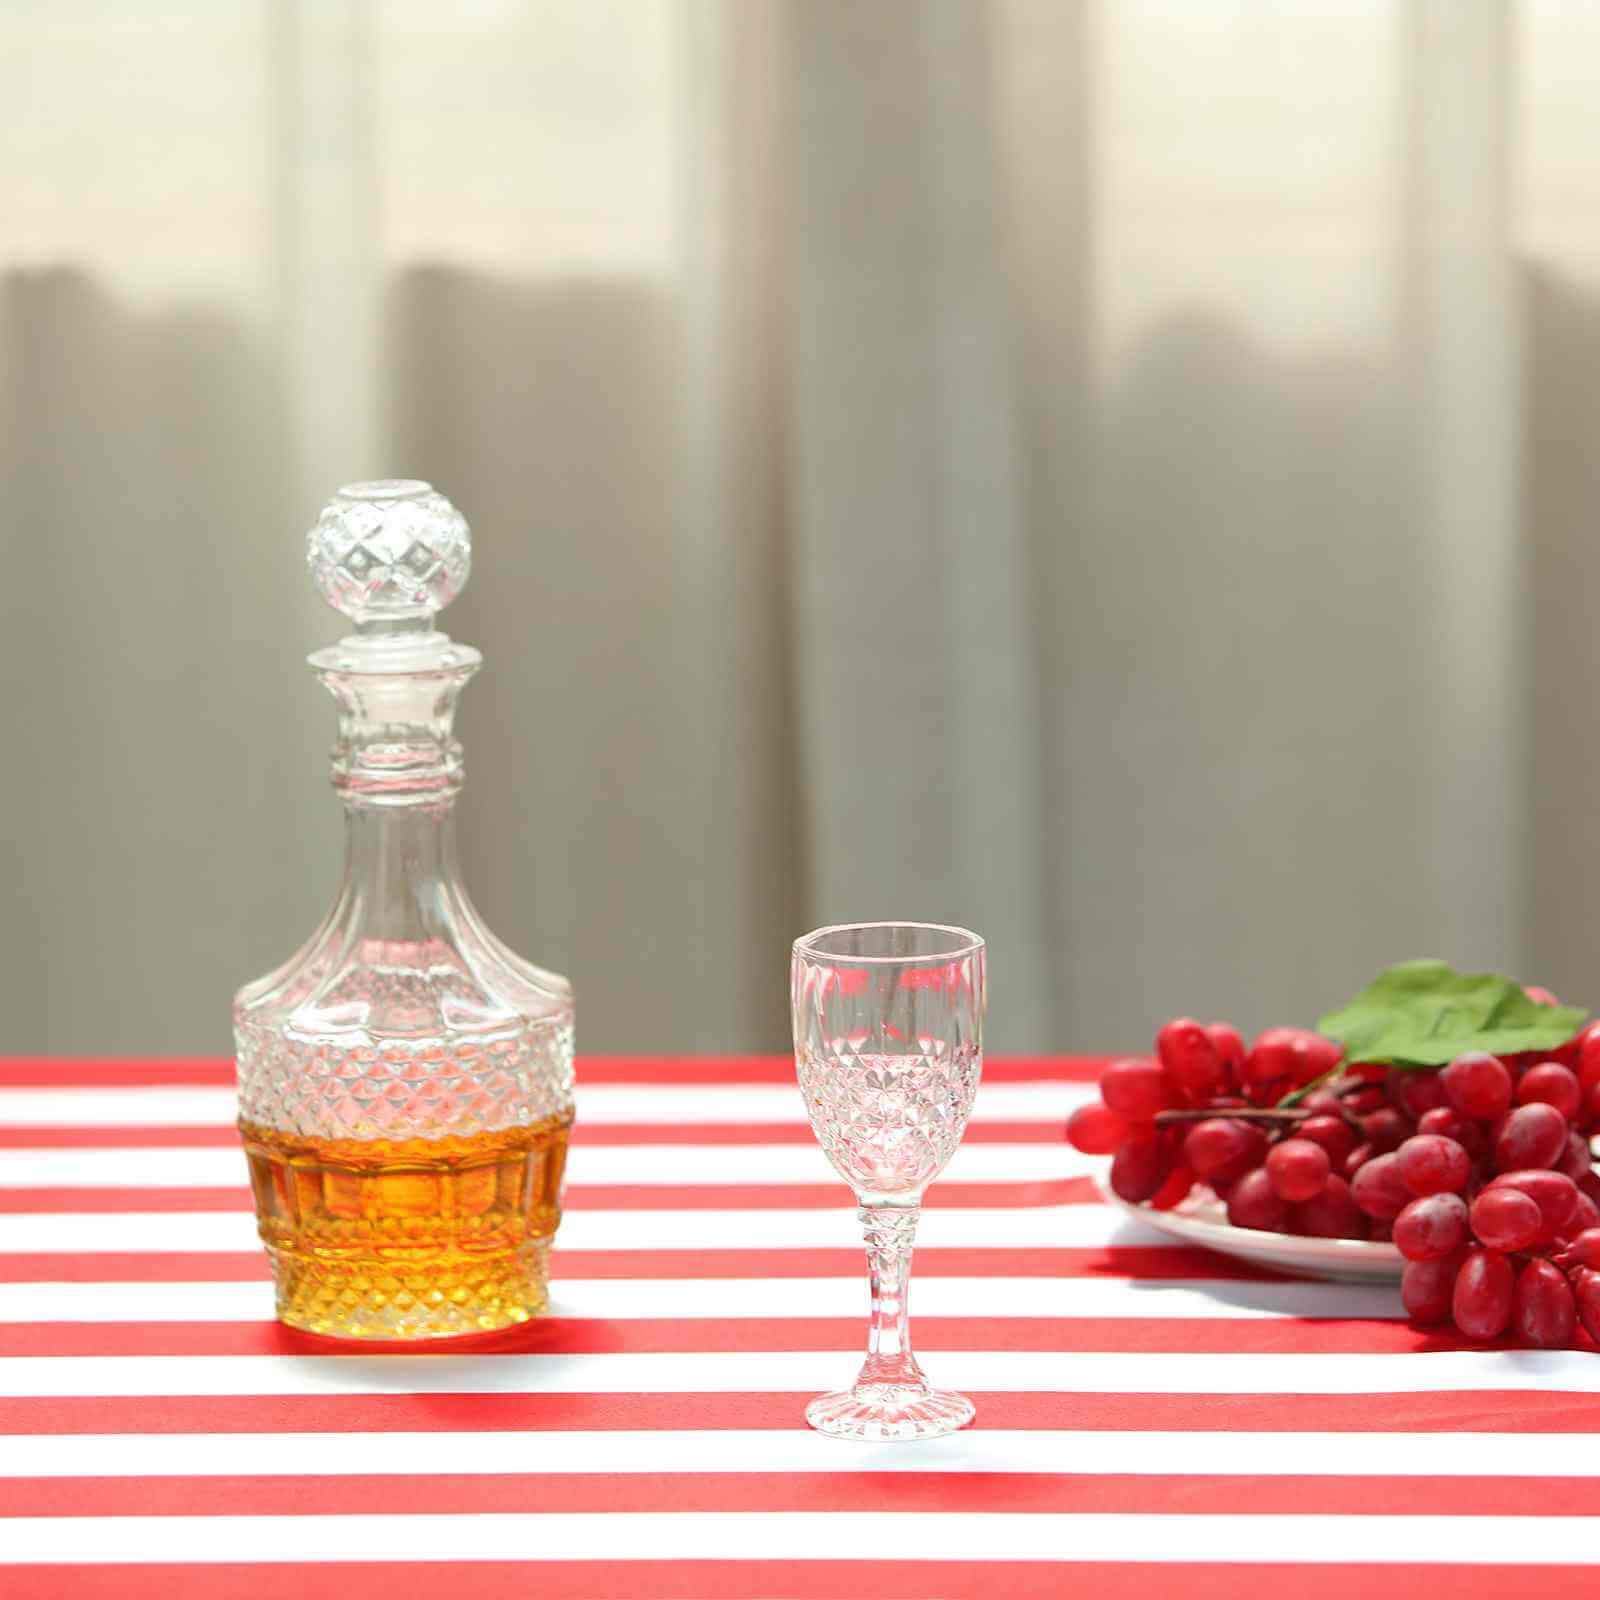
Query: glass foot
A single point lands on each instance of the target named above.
(881, 1411)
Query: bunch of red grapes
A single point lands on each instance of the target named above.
(1479, 1171)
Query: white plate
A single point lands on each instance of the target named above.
(1202, 1219)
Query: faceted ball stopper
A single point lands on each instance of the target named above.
(389, 551)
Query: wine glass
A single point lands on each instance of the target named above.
(888, 1045)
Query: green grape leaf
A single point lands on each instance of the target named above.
(1424, 1013)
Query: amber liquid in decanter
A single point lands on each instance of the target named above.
(381, 1237)
(405, 1081)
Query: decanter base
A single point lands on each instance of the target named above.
(446, 1295)
(878, 1412)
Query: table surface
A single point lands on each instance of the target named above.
(1151, 1418)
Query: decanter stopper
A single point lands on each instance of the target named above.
(390, 553)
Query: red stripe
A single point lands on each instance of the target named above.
(222, 1135)
(1102, 1261)
(448, 1494)
(115, 1072)
(816, 1196)
(153, 1138)
(780, 1069)
(557, 1335)
(35, 1201)
(105, 1072)
(980, 1131)
(1523, 1411)
(589, 1197)
(798, 1580)
(195, 1266)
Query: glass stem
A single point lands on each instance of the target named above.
(890, 1233)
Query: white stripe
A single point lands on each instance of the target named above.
(155, 1233)
(803, 1536)
(649, 1163)
(775, 1450)
(615, 1299)
(102, 1108)
(602, 1103)
(802, 1372)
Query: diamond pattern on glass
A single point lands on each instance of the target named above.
(420, 561)
(389, 550)
(429, 1089)
(889, 1123)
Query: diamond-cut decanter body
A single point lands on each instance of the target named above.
(405, 1081)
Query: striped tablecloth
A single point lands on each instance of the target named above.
(1150, 1418)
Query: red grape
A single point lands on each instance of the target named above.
(1135, 1088)
(1431, 1227)
(1298, 1169)
(1292, 1054)
(1586, 1290)
(1096, 1130)
(1323, 1103)
(1416, 1092)
(1506, 1219)
(1545, 1311)
(1140, 1167)
(1357, 1159)
(1332, 1133)
(1432, 1164)
(1531, 1136)
(1583, 1249)
(1254, 1203)
(1552, 1084)
(1386, 1129)
(1483, 1294)
(1585, 1215)
(1567, 1054)
(1329, 1215)
(1448, 1122)
(1426, 1288)
(1588, 1043)
(1223, 1149)
(1477, 1085)
(1379, 1189)
(1190, 1059)
(1175, 1190)
(1576, 1161)
(1263, 1067)
(1555, 1194)
(1363, 1102)
(1229, 1045)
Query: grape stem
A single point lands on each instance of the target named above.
(1233, 1114)
(1295, 1096)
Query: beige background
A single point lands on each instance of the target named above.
(1120, 475)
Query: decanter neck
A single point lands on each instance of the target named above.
(400, 871)
(396, 748)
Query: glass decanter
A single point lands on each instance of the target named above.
(405, 1081)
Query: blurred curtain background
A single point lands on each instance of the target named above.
(1113, 474)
